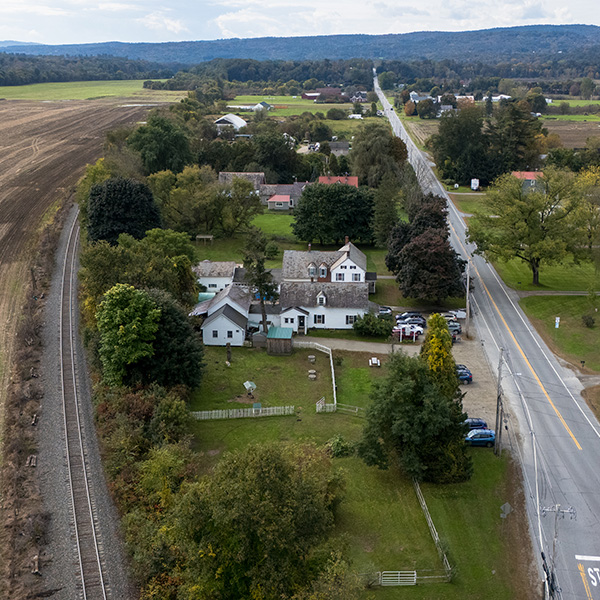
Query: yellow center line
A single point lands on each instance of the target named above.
(585, 583)
(535, 375)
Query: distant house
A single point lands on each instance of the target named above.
(355, 116)
(310, 95)
(262, 106)
(214, 276)
(294, 190)
(339, 148)
(230, 120)
(530, 180)
(346, 179)
(279, 202)
(256, 179)
(416, 97)
(359, 97)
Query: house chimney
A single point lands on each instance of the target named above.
(346, 240)
(312, 279)
(309, 246)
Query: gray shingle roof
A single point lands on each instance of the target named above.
(257, 179)
(227, 311)
(338, 295)
(295, 262)
(238, 294)
(209, 268)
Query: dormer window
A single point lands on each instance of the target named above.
(323, 271)
(321, 299)
(312, 270)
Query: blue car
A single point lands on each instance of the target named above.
(474, 423)
(464, 376)
(481, 437)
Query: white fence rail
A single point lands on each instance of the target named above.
(349, 409)
(394, 578)
(240, 413)
(323, 407)
(307, 344)
(433, 530)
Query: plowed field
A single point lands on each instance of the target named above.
(43, 150)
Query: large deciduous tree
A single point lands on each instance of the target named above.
(330, 212)
(385, 212)
(162, 145)
(376, 152)
(118, 206)
(429, 267)
(127, 321)
(251, 529)
(539, 225)
(410, 420)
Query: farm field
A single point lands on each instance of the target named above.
(469, 204)
(88, 90)
(577, 102)
(419, 129)
(576, 118)
(380, 523)
(573, 134)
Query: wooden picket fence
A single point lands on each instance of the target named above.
(323, 407)
(241, 413)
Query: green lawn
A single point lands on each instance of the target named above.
(347, 128)
(576, 102)
(380, 523)
(568, 277)
(280, 380)
(470, 204)
(345, 334)
(572, 339)
(285, 106)
(88, 90)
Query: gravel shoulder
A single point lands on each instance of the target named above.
(60, 570)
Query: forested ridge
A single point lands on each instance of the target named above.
(485, 45)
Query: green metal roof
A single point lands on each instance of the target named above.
(280, 333)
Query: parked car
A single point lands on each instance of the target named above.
(474, 423)
(460, 367)
(481, 437)
(420, 321)
(408, 314)
(454, 326)
(385, 310)
(405, 334)
(464, 377)
(449, 317)
(409, 327)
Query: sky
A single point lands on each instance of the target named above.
(86, 21)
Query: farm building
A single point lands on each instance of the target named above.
(224, 326)
(230, 120)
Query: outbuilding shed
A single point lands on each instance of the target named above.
(279, 341)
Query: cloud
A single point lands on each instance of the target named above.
(8, 7)
(116, 7)
(158, 20)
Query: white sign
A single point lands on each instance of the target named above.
(474, 184)
(556, 322)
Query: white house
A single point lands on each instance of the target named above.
(214, 276)
(224, 326)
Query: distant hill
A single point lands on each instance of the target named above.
(488, 45)
(7, 43)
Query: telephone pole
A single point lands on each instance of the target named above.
(499, 408)
(468, 320)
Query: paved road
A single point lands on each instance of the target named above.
(548, 424)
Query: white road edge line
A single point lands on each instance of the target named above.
(588, 558)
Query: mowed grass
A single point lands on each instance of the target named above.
(566, 277)
(89, 90)
(471, 204)
(576, 102)
(280, 380)
(286, 106)
(379, 523)
(572, 339)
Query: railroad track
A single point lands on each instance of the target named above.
(92, 585)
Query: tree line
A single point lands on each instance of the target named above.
(20, 69)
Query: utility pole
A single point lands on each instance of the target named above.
(550, 569)
(499, 410)
(468, 321)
